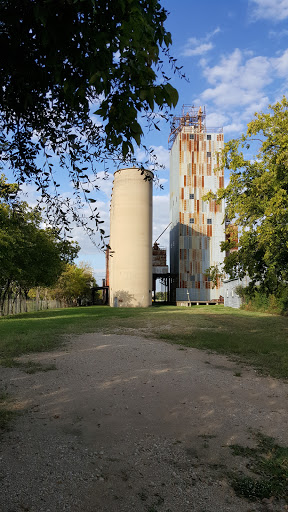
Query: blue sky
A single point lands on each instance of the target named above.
(235, 55)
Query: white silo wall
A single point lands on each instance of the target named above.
(130, 265)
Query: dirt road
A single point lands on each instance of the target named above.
(129, 424)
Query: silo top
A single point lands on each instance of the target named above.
(148, 175)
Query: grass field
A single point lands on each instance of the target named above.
(268, 467)
(255, 338)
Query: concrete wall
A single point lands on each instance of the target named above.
(130, 260)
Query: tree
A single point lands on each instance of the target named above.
(257, 200)
(29, 255)
(61, 57)
(215, 275)
(74, 284)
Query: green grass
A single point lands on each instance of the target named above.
(256, 338)
(269, 463)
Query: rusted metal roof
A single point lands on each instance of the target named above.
(195, 118)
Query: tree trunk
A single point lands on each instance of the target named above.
(26, 298)
(3, 297)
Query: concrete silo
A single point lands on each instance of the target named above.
(130, 261)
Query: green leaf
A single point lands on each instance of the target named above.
(172, 93)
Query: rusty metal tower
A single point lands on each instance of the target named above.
(197, 226)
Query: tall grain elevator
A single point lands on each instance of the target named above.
(197, 227)
(130, 253)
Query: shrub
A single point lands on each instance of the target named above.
(257, 300)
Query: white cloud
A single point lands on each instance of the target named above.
(88, 245)
(99, 274)
(278, 34)
(280, 94)
(213, 33)
(237, 81)
(28, 193)
(199, 46)
(105, 182)
(275, 10)
(215, 119)
(240, 81)
(196, 101)
(162, 181)
(234, 128)
(198, 50)
(257, 106)
(281, 64)
(161, 153)
(161, 219)
(96, 120)
(239, 85)
(203, 62)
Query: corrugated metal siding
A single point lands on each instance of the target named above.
(192, 171)
(231, 299)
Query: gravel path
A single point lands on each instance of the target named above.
(129, 424)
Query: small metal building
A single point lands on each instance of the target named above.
(231, 299)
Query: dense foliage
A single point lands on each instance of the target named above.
(257, 201)
(74, 285)
(29, 254)
(58, 59)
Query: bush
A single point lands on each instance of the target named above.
(274, 305)
(260, 301)
(283, 300)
